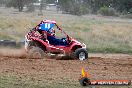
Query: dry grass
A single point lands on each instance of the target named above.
(101, 34)
(11, 81)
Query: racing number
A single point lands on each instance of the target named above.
(47, 25)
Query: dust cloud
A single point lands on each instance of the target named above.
(11, 52)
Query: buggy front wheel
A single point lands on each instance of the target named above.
(81, 54)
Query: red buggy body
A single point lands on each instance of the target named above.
(37, 45)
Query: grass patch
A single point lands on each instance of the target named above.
(110, 50)
(5, 37)
(100, 35)
(11, 81)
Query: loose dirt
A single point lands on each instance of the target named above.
(99, 66)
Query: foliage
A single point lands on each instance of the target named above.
(19, 3)
(106, 11)
(77, 7)
(130, 11)
(31, 8)
(127, 16)
(85, 6)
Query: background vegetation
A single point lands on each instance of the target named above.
(78, 7)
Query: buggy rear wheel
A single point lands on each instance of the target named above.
(81, 53)
(36, 53)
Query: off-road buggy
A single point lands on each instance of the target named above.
(42, 40)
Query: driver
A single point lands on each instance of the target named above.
(52, 32)
(55, 41)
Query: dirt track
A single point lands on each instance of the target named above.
(100, 66)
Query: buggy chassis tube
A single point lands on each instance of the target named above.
(45, 44)
(58, 49)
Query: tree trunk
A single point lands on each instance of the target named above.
(20, 5)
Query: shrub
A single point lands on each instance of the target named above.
(126, 16)
(130, 11)
(106, 11)
(30, 8)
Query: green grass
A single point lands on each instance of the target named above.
(99, 34)
(9, 81)
(12, 81)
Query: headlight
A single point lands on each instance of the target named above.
(83, 45)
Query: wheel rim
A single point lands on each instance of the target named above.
(36, 55)
(82, 56)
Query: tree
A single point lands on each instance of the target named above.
(77, 7)
(71, 6)
(2, 2)
(50, 1)
(19, 3)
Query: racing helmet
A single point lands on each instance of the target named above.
(46, 26)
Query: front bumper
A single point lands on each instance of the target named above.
(83, 46)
